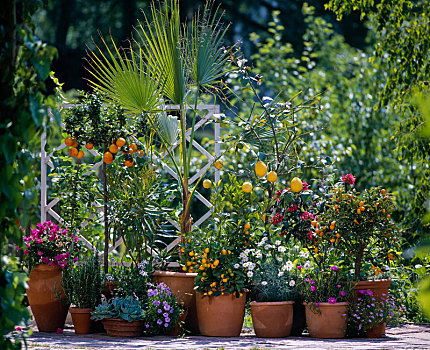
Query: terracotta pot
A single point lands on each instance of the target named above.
(43, 287)
(109, 289)
(376, 332)
(176, 331)
(220, 316)
(378, 287)
(272, 319)
(181, 285)
(81, 320)
(121, 328)
(327, 320)
(299, 320)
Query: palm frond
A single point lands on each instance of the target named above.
(207, 57)
(167, 127)
(123, 78)
(161, 48)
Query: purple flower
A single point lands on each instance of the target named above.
(312, 288)
(342, 293)
(168, 293)
(369, 292)
(334, 268)
(159, 311)
(147, 326)
(156, 303)
(166, 314)
(159, 321)
(171, 310)
(339, 286)
(166, 325)
(332, 300)
(167, 307)
(361, 291)
(307, 279)
(167, 319)
(317, 304)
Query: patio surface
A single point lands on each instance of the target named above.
(405, 337)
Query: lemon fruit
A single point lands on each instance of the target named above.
(260, 168)
(247, 187)
(207, 183)
(218, 164)
(296, 184)
(272, 176)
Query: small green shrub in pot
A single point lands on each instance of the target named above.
(82, 282)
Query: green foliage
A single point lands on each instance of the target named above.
(270, 286)
(82, 282)
(128, 309)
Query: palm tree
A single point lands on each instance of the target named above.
(166, 63)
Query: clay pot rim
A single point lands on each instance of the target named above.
(120, 319)
(372, 281)
(273, 303)
(46, 267)
(174, 274)
(225, 295)
(341, 303)
(78, 310)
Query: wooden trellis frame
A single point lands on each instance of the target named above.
(47, 207)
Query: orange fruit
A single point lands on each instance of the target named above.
(247, 226)
(129, 163)
(383, 191)
(73, 152)
(80, 154)
(223, 252)
(69, 141)
(75, 144)
(113, 148)
(120, 142)
(133, 147)
(108, 158)
(89, 146)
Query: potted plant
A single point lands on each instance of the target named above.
(360, 228)
(326, 294)
(121, 316)
(47, 251)
(82, 285)
(368, 316)
(163, 315)
(273, 294)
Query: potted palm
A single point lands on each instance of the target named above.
(82, 285)
(47, 250)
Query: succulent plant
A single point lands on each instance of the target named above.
(127, 309)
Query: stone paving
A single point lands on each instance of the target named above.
(405, 337)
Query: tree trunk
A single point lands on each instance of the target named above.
(105, 214)
(358, 262)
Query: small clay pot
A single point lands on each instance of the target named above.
(378, 287)
(176, 331)
(376, 332)
(121, 328)
(44, 291)
(220, 316)
(272, 319)
(81, 320)
(327, 320)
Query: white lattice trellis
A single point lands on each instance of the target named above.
(212, 114)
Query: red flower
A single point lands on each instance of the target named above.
(349, 179)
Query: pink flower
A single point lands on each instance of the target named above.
(312, 288)
(59, 331)
(342, 293)
(39, 253)
(332, 300)
(17, 328)
(369, 292)
(75, 259)
(349, 179)
(305, 186)
(26, 252)
(334, 268)
(278, 193)
(277, 219)
(299, 267)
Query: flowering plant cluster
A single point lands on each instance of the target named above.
(359, 227)
(50, 244)
(367, 312)
(161, 310)
(325, 286)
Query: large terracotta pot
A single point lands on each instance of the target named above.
(272, 319)
(327, 320)
(299, 320)
(220, 316)
(179, 326)
(378, 287)
(121, 328)
(181, 285)
(81, 320)
(43, 287)
(376, 332)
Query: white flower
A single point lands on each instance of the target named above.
(244, 259)
(307, 264)
(143, 273)
(236, 266)
(263, 283)
(267, 246)
(289, 265)
(418, 266)
(296, 247)
(242, 255)
(279, 258)
(246, 251)
(280, 273)
(304, 254)
(278, 242)
(251, 266)
(250, 274)
(142, 264)
(282, 249)
(292, 283)
(109, 278)
(258, 254)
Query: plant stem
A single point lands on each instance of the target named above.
(105, 214)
